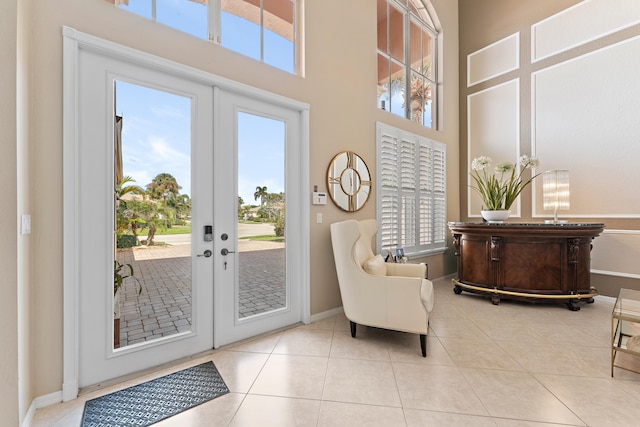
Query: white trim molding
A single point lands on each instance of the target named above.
(70, 205)
(493, 129)
(579, 24)
(604, 137)
(494, 60)
(616, 253)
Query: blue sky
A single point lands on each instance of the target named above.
(156, 138)
(156, 125)
(156, 134)
(237, 33)
(260, 156)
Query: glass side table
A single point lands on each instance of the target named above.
(625, 326)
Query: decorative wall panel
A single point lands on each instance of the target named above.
(494, 60)
(586, 21)
(585, 118)
(617, 253)
(493, 130)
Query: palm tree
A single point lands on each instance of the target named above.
(164, 186)
(152, 215)
(159, 218)
(123, 188)
(261, 192)
(274, 203)
(124, 216)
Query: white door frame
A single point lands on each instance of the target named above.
(73, 41)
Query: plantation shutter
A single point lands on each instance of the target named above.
(411, 192)
(387, 194)
(439, 195)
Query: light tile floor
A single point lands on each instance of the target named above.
(516, 364)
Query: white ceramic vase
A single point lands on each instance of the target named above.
(496, 216)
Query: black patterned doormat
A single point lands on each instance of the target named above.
(155, 400)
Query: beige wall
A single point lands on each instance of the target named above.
(339, 85)
(23, 152)
(9, 387)
(485, 23)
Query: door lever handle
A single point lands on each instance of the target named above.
(206, 253)
(226, 251)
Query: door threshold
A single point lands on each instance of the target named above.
(142, 373)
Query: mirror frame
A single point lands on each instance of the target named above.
(349, 182)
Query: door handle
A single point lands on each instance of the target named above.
(226, 251)
(206, 253)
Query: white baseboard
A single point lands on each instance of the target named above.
(40, 402)
(325, 314)
(48, 399)
(28, 417)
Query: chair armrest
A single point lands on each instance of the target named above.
(409, 301)
(407, 270)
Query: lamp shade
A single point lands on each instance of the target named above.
(555, 189)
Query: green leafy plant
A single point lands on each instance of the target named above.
(498, 190)
(119, 275)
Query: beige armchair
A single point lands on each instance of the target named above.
(376, 293)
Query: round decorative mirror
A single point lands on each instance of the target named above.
(348, 181)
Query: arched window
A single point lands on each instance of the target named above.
(407, 60)
(264, 30)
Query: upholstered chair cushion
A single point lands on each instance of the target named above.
(376, 266)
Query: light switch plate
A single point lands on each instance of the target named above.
(26, 224)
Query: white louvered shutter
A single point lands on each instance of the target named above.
(388, 201)
(411, 192)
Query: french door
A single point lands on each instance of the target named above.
(258, 217)
(162, 258)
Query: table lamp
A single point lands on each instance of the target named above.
(555, 193)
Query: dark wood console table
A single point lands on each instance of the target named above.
(527, 261)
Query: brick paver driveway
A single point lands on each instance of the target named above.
(164, 306)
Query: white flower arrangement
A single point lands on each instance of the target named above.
(501, 188)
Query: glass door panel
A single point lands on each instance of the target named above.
(152, 171)
(261, 285)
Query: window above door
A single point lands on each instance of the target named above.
(265, 30)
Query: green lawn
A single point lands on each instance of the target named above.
(179, 229)
(176, 229)
(265, 238)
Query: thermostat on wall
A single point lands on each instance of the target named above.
(319, 198)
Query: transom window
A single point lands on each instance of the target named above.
(264, 30)
(407, 60)
(411, 194)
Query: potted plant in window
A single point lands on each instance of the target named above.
(498, 190)
(120, 273)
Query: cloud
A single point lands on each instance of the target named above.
(141, 176)
(168, 112)
(162, 150)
